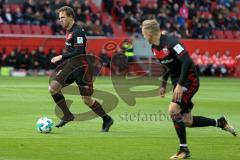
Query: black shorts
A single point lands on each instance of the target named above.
(75, 70)
(191, 87)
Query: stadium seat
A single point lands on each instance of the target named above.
(16, 29)
(13, 6)
(46, 30)
(205, 14)
(5, 29)
(236, 34)
(229, 34)
(26, 29)
(219, 34)
(36, 29)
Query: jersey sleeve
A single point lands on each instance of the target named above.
(182, 55)
(79, 44)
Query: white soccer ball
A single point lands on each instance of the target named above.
(44, 125)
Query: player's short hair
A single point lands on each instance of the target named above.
(69, 11)
(151, 26)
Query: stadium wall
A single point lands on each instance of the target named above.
(95, 45)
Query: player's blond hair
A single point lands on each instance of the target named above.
(151, 26)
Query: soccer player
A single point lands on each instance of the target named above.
(170, 52)
(69, 71)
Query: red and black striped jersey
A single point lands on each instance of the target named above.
(75, 42)
(171, 53)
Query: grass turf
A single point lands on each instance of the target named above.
(134, 136)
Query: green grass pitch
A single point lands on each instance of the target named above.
(134, 136)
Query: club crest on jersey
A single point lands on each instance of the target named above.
(165, 51)
(162, 53)
(69, 35)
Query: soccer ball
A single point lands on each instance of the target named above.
(44, 125)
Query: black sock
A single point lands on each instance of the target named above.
(60, 101)
(97, 108)
(181, 130)
(199, 121)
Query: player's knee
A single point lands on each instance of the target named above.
(188, 122)
(88, 100)
(51, 89)
(54, 88)
(177, 117)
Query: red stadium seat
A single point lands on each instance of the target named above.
(16, 29)
(5, 29)
(229, 34)
(205, 14)
(219, 34)
(236, 34)
(36, 29)
(46, 30)
(26, 29)
(13, 6)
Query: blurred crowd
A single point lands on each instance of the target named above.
(207, 64)
(215, 65)
(45, 13)
(28, 60)
(182, 18)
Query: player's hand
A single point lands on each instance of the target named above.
(56, 59)
(162, 92)
(177, 93)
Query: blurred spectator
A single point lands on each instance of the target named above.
(184, 12)
(118, 11)
(18, 16)
(85, 6)
(10, 60)
(41, 57)
(34, 61)
(97, 29)
(205, 68)
(197, 59)
(81, 16)
(107, 29)
(218, 67)
(228, 62)
(7, 15)
(26, 61)
(49, 65)
(108, 5)
(29, 4)
(2, 56)
(105, 58)
(127, 49)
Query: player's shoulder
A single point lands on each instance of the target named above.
(78, 29)
(171, 39)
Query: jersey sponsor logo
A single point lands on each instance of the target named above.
(178, 48)
(79, 40)
(69, 36)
